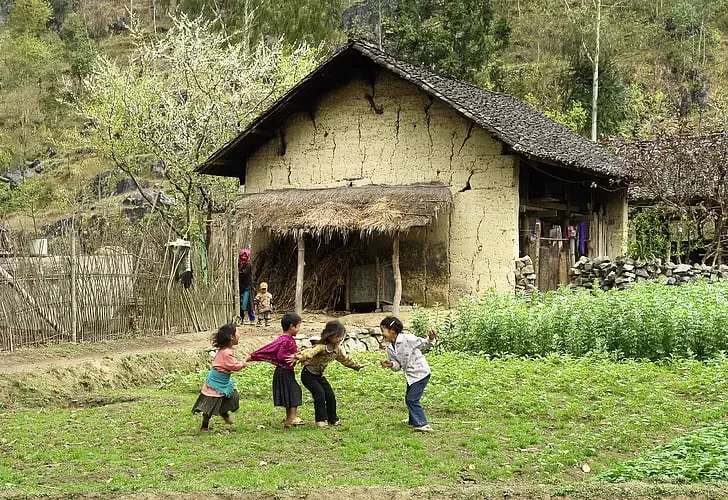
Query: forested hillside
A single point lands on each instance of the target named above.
(75, 76)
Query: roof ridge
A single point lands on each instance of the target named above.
(524, 129)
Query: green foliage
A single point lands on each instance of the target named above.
(649, 237)
(30, 197)
(80, 49)
(31, 63)
(612, 98)
(648, 320)
(453, 38)
(30, 17)
(422, 320)
(575, 117)
(696, 457)
(647, 113)
(303, 21)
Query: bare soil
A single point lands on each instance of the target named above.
(251, 337)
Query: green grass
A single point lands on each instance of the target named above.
(698, 456)
(529, 421)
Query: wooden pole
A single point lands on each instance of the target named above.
(233, 266)
(74, 303)
(397, 277)
(348, 288)
(379, 285)
(10, 328)
(299, 272)
(537, 257)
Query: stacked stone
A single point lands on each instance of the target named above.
(621, 272)
(525, 275)
(356, 340)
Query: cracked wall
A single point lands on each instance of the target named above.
(390, 132)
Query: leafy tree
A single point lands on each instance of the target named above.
(181, 97)
(612, 96)
(575, 117)
(31, 63)
(80, 49)
(301, 21)
(452, 38)
(649, 237)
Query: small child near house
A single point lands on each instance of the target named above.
(404, 352)
(218, 395)
(263, 304)
(314, 361)
(286, 391)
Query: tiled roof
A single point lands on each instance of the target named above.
(522, 128)
(683, 169)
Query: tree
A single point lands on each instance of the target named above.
(296, 21)
(182, 96)
(80, 49)
(452, 38)
(31, 64)
(687, 178)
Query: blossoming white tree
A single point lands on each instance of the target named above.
(176, 100)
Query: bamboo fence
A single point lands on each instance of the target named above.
(128, 287)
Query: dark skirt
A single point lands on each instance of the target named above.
(286, 391)
(211, 405)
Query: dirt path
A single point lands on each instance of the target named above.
(62, 355)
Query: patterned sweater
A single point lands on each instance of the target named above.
(264, 302)
(317, 357)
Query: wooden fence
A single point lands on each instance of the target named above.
(127, 289)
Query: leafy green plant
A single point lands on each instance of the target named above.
(648, 320)
(698, 456)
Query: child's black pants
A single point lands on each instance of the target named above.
(324, 399)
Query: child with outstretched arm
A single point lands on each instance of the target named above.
(286, 391)
(404, 352)
(314, 361)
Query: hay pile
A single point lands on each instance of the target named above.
(324, 281)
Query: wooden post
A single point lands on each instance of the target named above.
(10, 328)
(378, 272)
(347, 291)
(74, 304)
(537, 257)
(233, 266)
(299, 272)
(397, 277)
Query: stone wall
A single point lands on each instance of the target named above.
(621, 272)
(356, 340)
(525, 275)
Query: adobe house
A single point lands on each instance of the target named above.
(440, 180)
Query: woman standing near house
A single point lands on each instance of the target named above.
(245, 285)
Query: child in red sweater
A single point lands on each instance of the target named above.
(286, 391)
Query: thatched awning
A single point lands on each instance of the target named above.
(345, 210)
